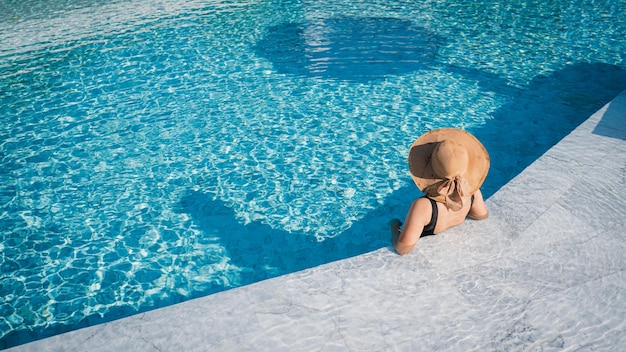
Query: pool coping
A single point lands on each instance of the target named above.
(514, 281)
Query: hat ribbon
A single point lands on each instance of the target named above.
(450, 191)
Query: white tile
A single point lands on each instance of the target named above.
(594, 309)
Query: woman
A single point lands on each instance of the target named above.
(448, 165)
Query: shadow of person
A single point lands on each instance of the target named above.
(349, 48)
(538, 117)
(263, 252)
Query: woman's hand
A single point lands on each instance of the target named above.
(394, 223)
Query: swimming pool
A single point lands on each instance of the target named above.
(153, 152)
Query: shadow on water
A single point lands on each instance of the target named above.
(263, 252)
(538, 117)
(348, 48)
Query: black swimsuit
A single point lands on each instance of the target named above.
(429, 229)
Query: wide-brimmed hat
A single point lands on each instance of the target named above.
(447, 164)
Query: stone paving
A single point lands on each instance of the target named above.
(546, 271)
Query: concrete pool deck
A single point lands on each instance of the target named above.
(546, 271)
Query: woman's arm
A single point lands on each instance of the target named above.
(405, 239)
(478, 211)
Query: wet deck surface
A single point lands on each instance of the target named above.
(545, 272)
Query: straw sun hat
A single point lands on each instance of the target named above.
(448, 164)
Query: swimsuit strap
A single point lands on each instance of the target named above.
(429, 229)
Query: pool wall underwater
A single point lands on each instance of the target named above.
(151, 153)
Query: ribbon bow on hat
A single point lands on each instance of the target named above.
(448, 191)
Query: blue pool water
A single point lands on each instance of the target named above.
(152, 151)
